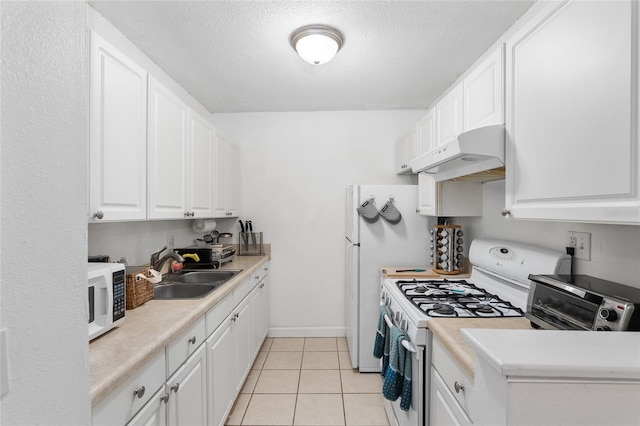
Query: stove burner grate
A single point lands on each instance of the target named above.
(455, 298)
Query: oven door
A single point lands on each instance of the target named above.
(415, 415)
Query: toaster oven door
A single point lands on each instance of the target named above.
(555, 309)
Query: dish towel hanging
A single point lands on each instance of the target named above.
(383, 337)
(397, 381)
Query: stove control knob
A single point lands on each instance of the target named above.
(608, 314)
(603, 328)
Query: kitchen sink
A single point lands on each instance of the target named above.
(214, 276)
(182, 291)
(192, 284)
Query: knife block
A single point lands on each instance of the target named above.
(250, 244)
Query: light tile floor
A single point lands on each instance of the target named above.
(308, 381)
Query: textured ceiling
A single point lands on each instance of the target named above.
(234, 56)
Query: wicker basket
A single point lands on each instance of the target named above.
(139, 291)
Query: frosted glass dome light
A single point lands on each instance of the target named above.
(316, 44)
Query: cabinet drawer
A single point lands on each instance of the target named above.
(259, 274)
(444, 408)
(218, 313)
(122, 404)
(457, 381)
(241, 291)
(184, 345)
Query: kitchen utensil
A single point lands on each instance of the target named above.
(411, 270)
(251, 234)
(243, 234)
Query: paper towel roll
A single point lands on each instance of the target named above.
(204, 226)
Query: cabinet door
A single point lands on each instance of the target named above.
(259, 315)
(242, 342)
(400, 150)
(200, 169)
(220, 193)
(483, 91)
(233, 180)
(118, 136)
(154, 413)
(426, 132)
(572, 114)
(444, 410)
(448, 114)
(167, 153)
(427, 195)
(187, 390)
(220, 374)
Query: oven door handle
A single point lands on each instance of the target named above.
(406, 343)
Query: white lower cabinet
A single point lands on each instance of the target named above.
(443, 408)
(205, 375)
(220, 375)
(187, 389)
(154, 413)
(450, 391)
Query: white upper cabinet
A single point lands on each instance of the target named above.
(483, 91)
(405, 149)
(200, 172)
(167, 150)
(448, 115)
(572, 114)
(449, 198)
(118, 136)
(426, 130)
(181, 155)
(227, 178)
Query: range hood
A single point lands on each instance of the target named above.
(476, 155)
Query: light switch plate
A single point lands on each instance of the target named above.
(581, 241)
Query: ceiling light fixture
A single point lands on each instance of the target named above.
(316, 44)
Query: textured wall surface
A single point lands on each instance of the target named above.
(44, 204)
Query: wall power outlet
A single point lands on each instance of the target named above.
(581, 241)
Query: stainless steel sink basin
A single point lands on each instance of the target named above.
(192, 284)
(182, 291)
(210, 276)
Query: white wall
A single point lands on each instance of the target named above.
(295, 168)
(615, 252)
(44, 211)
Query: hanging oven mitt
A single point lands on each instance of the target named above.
(368, 211)
(390, 212)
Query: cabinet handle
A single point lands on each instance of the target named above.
(458, 387)
(98, 214)
(165, 398)
(192, 340)
(505, 212)
(175, 387)
(139, 392)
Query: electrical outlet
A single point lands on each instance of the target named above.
(581, 241)
(170, 242)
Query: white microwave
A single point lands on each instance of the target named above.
(107, 297)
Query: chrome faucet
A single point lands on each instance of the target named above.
(157, 263)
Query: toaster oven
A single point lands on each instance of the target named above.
(106, 296)
(582, 302)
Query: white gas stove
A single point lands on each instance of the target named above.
(498, 287)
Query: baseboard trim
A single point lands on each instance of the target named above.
(306, 332)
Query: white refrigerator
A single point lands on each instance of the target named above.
(370, 246)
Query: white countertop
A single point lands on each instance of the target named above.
(558, 353)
